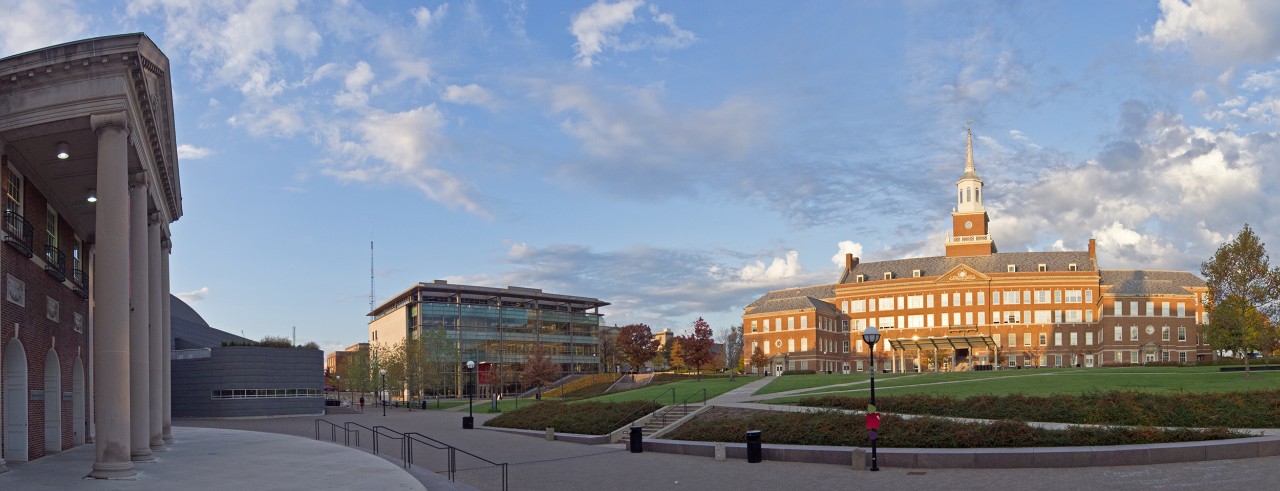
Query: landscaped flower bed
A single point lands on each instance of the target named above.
(587, 418)
(826, 427)
(1254, 409)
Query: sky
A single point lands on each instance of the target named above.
(680, 159)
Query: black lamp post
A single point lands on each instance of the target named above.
(339, 379)
(468, 422)
(383, 396)
(871, 336)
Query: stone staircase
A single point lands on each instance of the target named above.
(663, 419)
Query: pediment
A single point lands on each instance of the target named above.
(962, 273)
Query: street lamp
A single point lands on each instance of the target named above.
(469, 421)
(383, 396)
(339, 379)
(871, 336)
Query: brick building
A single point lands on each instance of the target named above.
(88, 167)
(978, 308)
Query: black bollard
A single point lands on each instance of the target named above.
(637, 439)
(753, 446)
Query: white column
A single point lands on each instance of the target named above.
(111, 300)
(155, 329)
(139, 334)
(167, 343)
(3, 467)
(89, 389)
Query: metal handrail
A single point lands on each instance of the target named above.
(333, 432)
(56, 262)
(17, 232)
(406, 446)
(377, 433)
(631, 416)
(685, 403)
(81, 281)
(348, 426)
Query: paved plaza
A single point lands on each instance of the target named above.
(280, 453)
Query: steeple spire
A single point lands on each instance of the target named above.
(968, 154)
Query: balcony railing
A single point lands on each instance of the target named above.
(81, 281)
(969, 238)
(55, 263)
(17, 232)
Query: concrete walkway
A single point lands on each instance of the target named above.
(221, 459)
(536, 464)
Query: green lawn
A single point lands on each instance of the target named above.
(807, 381)
(1064, 381)
(683, 389)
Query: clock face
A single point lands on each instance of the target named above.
(1151, 330)
(968, 224)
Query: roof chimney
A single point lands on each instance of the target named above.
(849, 261)
(1093, 249)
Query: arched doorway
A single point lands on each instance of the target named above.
(52, 403)
(78, 427)
(15, 402)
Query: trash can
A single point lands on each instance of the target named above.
(753, 446)
(637, 439)
(424, 404)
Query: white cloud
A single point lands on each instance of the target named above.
(599, 27)
(660, 287)
(400, 148)
(242, 41)
(846, 247)
(468, 94)
(34, 24)
(425, 17)
(193, 297)
(780, 268)
(1226, 31)
(596, 25)
(636, 142)
(355, 87)
(1161, 194)
(192, 152)
(268, 120)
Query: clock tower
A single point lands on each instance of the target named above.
(969, 234)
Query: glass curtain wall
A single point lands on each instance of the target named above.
(500, 335)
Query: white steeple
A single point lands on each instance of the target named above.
(969, 187)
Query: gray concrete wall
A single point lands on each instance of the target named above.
(248, 367)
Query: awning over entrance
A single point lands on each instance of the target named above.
(946, 342)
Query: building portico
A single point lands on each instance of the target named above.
(91, 185)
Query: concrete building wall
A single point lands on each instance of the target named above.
(248, 368)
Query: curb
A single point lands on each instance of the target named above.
(992, 458)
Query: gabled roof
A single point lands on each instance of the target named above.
(792, 303)
(994, 263)
(1138, 282)
(820, 292)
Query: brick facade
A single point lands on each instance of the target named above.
(1033, 308)
(34, 328)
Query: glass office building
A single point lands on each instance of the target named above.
(498, 328)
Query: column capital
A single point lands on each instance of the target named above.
(106, 120)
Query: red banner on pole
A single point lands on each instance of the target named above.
(873, 421)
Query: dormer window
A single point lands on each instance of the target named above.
(1041, 268)
(1013, 268)
(860, 278)
(888, 276)
(915, 273)
(1071, 267)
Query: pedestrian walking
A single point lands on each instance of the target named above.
(362, 404)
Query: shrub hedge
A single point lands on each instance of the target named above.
(827, 427)
(587, 418)
(1253, 409)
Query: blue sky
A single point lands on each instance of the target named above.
(679, 159)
